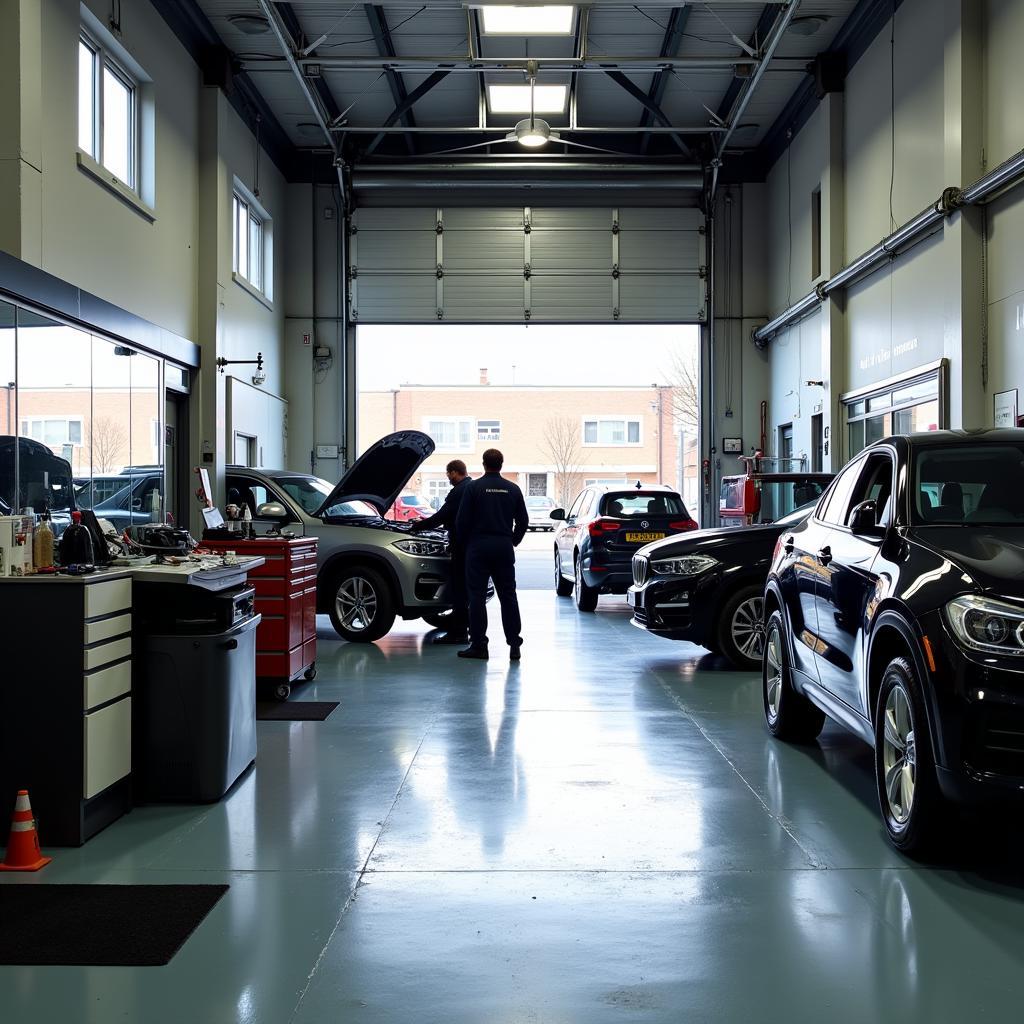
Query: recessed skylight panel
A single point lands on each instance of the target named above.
(508, 20)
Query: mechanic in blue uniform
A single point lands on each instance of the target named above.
(458, 625)
(492, 520)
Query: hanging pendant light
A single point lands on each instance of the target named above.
(532, 132)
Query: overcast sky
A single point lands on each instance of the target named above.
(539, 354)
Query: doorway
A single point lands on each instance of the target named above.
(176, 457)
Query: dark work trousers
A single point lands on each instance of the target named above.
(489, 557)
(459, 621)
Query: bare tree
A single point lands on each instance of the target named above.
(683, 376)
(561, 443)
(109, 441)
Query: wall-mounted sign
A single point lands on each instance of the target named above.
(1005, 412)
(732, 445)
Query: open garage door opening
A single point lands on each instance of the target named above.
(570, 406)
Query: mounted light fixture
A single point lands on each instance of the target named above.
(258, 378)
(532, 132)
(249, 24)
(807, 24)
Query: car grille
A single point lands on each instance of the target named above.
(640, 566)
(998, 742)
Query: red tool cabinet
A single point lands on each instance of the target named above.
(286, 598)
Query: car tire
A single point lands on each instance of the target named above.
(913, 809)
(789, 715)
(741, 629)
(586, 597)
(362, 607)
(563, 587)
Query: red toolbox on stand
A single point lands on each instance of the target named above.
(286, 598)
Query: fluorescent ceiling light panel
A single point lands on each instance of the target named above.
(502, 20)
(515, 99)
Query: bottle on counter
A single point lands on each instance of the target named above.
(76, 543)
(42, 543)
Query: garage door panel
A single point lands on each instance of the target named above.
(570, 299)
(660, 298)
(499, 251)
(483, 298)
(571, 255)
(394, 298)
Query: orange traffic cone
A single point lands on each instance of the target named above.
(23, 853)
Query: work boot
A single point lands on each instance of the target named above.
(515, 652)
(479, 653)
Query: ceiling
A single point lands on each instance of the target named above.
(359, 63)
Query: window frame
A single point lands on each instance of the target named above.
(43, 420)
(470, 422)
(257, 219)
(622, 418)
(105, 60)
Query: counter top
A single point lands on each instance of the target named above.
(216, 578)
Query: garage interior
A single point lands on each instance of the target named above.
(227, 190)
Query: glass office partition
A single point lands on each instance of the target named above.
(8, 408)
(146, 466)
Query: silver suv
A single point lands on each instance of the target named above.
(370, 570)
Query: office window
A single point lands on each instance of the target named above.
(450, 435)
(488, 430)
(611, 432)
(108, 111)
(248, 242)
(816, 234)
(905, 408)
(53, 431)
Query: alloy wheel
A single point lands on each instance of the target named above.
(356, 603)
(747, 628)
(899, 755)
(773, 683)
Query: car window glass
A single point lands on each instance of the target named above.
(874, 484)
(307, 491)
(245, 492)
(838, 499)
(969, 484)
(575, 507)
(634, 504)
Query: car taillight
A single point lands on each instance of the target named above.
(683, 525)
(599, 527)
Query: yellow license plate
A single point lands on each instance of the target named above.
(643, 538)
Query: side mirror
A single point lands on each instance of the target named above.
(864, 520)
(272, 510)
(557, 513)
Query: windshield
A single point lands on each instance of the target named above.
(631, 504)
(969, 484)
(798, 516)
(415, 499)
(308, 492)
(539, 503)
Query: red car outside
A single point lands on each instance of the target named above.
(409, 508)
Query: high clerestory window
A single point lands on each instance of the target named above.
(108, 104)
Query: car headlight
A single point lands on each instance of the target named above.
(984, 624)
(423, 548)
(685, 565)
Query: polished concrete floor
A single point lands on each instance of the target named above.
(602, 833)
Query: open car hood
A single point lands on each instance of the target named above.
(381, 473)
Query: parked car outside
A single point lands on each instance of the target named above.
(370, 570)
(604, 527)
(539, 507)
(902, 617)
(707, 587)
(138, 500)
(408, 508)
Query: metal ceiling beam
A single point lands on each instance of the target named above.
(386, 48)
(629, 129)
(414, 97)
(642, 98)
(294, 29)
(579, 52)
(674, 32)
(315, 65)
(313, 98)
(749, 87)
(764, 25)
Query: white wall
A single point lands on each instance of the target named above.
(957, 82)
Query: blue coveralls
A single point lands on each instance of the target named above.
(492, 520)
(446, 516)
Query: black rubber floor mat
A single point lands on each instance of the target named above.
(99, 925)
(295, 711)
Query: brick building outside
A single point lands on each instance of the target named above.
(555, 439)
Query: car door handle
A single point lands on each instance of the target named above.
(825, 555)
(788, 544)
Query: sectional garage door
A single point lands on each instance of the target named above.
(459, 265)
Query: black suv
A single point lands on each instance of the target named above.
(897, 609)
(596, 538)
(708, 587)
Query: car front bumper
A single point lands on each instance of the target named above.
(676, 607)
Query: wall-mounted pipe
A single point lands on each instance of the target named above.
(1007, 174)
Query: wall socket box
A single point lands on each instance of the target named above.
(326, 451)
